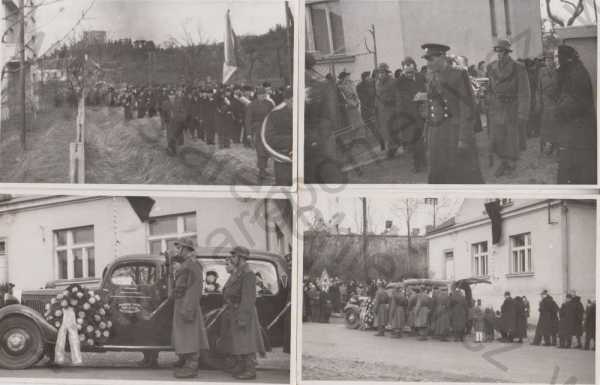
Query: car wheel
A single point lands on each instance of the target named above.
(352, 318)
(21, 344)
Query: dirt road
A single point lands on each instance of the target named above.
(333, 352)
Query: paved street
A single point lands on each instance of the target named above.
(333, 352)
(124, 366)
(532, 168)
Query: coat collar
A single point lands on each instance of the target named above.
(237, 274)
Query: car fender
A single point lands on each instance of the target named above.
(48, 331)
(351, 306)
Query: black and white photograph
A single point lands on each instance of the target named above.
(147, 92)
(145, 288)
(449, 289)
(458, 92)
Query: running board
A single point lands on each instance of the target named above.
(123, 348)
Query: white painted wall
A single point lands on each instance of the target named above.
(118, 231)
(546, 254)
(402, 26)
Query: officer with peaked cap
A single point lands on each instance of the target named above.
(450, 121)
(509, 100)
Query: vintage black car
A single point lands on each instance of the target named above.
(137, 287)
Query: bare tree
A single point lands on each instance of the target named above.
(407, 208)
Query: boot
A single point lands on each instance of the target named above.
(249, 372)
(380, 332)
(180, 361)
(237, 368)
(189, 369)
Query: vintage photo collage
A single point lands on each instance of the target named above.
(301, 191)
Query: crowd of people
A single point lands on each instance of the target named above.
(219, 115)
(435, 112)
(436, 312)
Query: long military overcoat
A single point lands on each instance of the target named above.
(189, 333)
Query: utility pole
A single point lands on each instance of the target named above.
(374, 36)
(22, 71)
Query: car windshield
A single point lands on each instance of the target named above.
(215, 276)
(134, 274)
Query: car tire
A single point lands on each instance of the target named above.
(21, 344)
(352, 319)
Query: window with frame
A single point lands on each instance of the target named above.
(479, 253)
(325, 28)
(75, 253)
(164, 231)
(2, 247)
(520, 254)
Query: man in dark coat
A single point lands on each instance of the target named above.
(321, 119)
(408, 121)
(314, 300)
(279, 136)
(177, 119)
(451, 121)
(256, 112)
(242, 330)
(578, 327)
(508, 318)
(509, 100)
(590, 324)
(547, 326)
(575, 111)
(521, 320)
(459, 310)
(365, 90)
(189, 336)
(386, 106)
(566, 324)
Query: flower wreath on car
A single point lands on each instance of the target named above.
(92, 314)
(367, 314)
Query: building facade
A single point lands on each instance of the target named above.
(549, 244)
(49, 238)
(337, 31)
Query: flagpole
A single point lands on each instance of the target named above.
(290, 40)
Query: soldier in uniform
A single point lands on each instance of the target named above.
(189, 333)
(450, 121)
(509, 100)
(459, 311)
(381, 307)
(242, 337)
(256, 112)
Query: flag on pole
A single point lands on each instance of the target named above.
(230, 64)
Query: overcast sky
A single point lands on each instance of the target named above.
(158, 20)
(380, 209)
